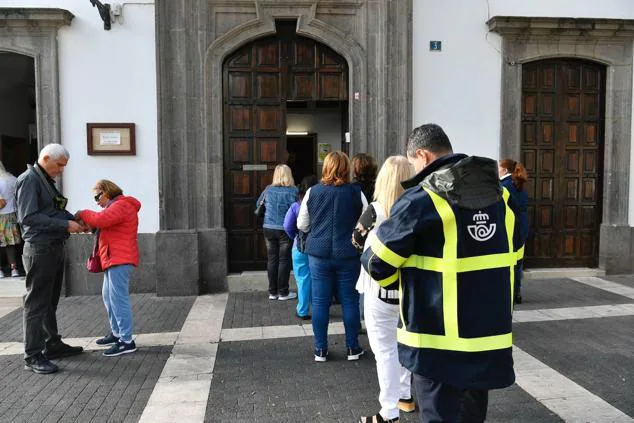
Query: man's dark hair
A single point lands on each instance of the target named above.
(429, 137)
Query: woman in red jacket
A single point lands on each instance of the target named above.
(117, 228)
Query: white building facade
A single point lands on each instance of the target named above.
(219, 92)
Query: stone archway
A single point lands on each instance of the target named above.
(373, 37)
(606, 41)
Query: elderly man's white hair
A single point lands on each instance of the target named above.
(54, 151)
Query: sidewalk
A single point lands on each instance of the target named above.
(240, 357)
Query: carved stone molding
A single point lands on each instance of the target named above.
(34, 17)
(510, 26)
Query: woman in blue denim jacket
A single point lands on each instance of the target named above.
(278, 198)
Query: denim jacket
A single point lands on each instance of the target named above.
(277, 201)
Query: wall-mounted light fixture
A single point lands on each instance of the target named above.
(296, 133)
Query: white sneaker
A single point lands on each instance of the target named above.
(290, 296)
(2, 274)
(272, 297)
(14, 273)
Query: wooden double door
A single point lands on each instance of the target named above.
(563, 106)
(258, 82)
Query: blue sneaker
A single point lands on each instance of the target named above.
(108, 339)
(321, 355)
(120, 348)
(355, 353)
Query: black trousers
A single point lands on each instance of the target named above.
(440, 402)
(44, 265)
(278, 251)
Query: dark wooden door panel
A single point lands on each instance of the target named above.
(562, 149)
(258, 80)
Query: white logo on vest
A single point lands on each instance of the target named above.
(482, 230)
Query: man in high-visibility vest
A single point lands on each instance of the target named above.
(450, 245)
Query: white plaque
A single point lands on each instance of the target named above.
(110, 138)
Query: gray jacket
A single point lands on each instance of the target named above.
(41, 222)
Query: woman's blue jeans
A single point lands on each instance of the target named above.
(303, 280)
(116, 298)
(328, 276)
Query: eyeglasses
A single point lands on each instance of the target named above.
(98, 196)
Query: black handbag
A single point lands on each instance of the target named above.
(260, 208)
(301, 240)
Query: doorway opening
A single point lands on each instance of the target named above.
(274, 87)
(302, 155)
(18, 132)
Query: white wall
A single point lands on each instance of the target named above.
(325, 123)
(108, 76)
(460, 87)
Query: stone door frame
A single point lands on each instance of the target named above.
(375, 38)
(33, 32)
(605, 41)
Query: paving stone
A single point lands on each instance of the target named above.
(627, 280)
(87, 387)
(86, 316)
(277, 380)
(559, 293)
(594, 353)
(253, 309)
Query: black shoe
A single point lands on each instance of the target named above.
(306, 317)
(61, 349)
(518, 299)
(40, 365)
(108, 339)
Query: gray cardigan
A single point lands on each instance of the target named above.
(40, 221)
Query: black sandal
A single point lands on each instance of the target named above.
(376, 419)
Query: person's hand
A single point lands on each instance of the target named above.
(74, 227)
(77, 215)
(85, 227)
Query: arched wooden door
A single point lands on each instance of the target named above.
(563, 113)
(258, 81)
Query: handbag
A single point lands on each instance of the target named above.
(301, 241)
(260, 208)
(93, 264)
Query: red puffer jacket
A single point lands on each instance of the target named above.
(118, 224)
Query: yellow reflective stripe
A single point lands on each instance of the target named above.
(449, 273)
(465, 264)
(520, 253)
(389, 280)
(385, 254)
(444, 342)
(509, 221)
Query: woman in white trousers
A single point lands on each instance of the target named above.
(381, 304)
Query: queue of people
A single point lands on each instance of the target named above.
(436, 255)
(434, 243)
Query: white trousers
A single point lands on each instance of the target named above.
(381, 320)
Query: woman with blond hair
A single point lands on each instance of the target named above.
(328, 213)
(513, 176)
(117, 229)
(381, 304)
(277, 199)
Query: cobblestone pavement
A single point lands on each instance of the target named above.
(242, 358)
